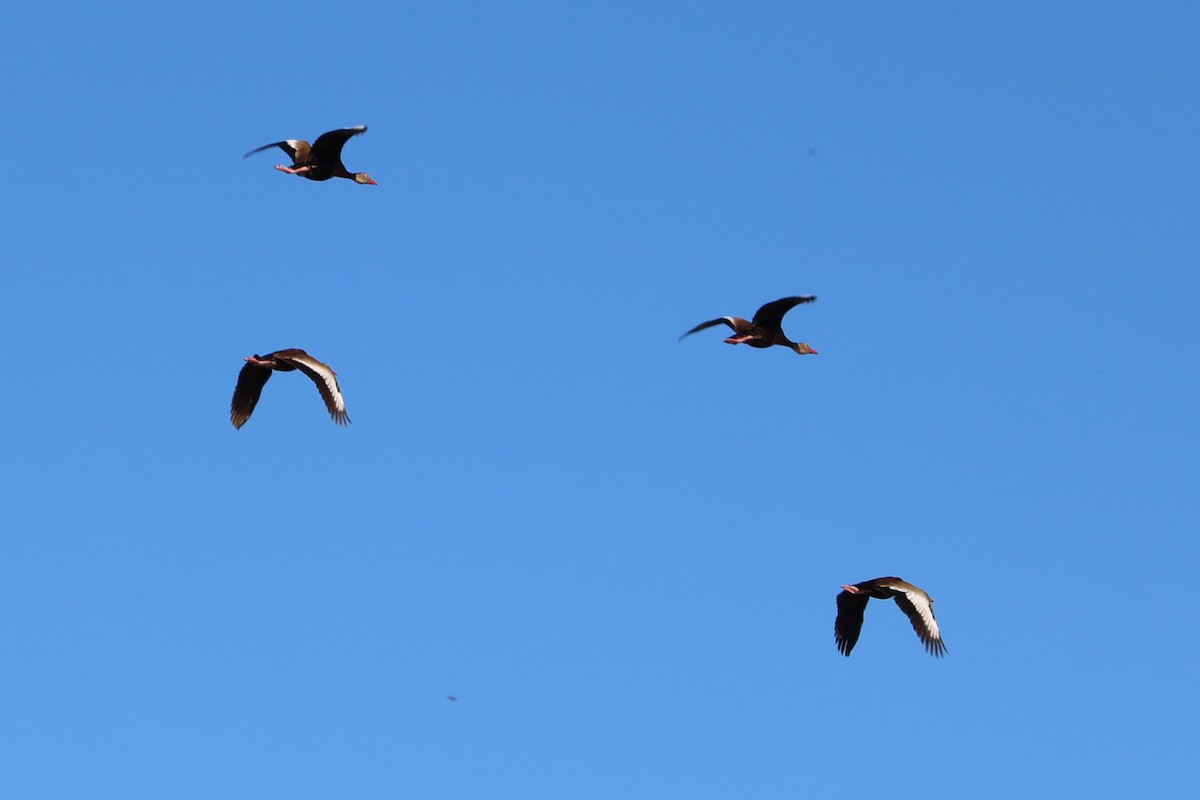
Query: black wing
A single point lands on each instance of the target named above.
(327, 149)
(719, 321)
(770, 316)
(251, 381)
(849, 622)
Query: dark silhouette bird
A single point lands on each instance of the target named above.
(765, 329)
(852, 603)
(320, 161)
(257, 371)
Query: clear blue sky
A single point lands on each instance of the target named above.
(619, 551)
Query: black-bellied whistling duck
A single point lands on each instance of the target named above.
(254, 375)
(852, 602)
(320, 161)
(765, 329)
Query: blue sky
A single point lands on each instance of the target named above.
(620, 552)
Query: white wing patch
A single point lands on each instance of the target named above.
(925, 609)
(919, 609)
(327, 385)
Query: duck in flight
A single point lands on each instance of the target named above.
(765, 329)
(914, 602)
(258, 369)
(321, 160)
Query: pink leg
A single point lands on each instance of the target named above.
(738, 339)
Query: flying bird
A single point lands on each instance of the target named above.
(321, 160)
(852, 602)
(257, 371)
(765, 329)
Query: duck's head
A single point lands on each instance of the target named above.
(802, 349)
(362, 177)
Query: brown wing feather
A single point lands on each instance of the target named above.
(251, 381)
(297, 149)
(288, 354)
(327, 384)
(771, 315)
(849, 622)
(917, 606)
(890, 582)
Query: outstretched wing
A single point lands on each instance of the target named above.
(328, 147)
(919, 609)
(849, 622)
(297, 150)
(326, 380)
(251, 381)
(770, 316)
(730, 321)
